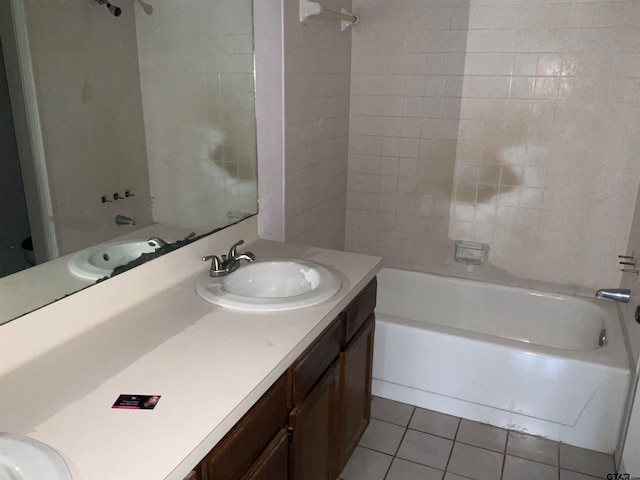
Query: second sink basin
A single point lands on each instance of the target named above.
(270, 285)
(23, 458)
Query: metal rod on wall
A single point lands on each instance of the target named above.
(310, 8)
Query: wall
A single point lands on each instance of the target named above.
(268, 39)
(317, 59)
(631, 451)
(198, 59)
(13, 208)
(544, 166)
(87, 83)
(632, 282)
(408, 61)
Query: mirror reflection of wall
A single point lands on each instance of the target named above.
(202, 154)
(158, 101)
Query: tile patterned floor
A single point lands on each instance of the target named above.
(404, 442)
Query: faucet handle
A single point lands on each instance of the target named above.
(233, 251)
(217, 270)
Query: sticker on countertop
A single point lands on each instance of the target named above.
(137, 402)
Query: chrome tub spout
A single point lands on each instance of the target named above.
(618, 294)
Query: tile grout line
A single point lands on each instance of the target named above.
(406, 429)
(455, 435)
(455, 440)
(559, 466)
(504, 455)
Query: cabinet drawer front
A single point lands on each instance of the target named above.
(359, 310)
(304, 373)
(273, 464)
(235, 453)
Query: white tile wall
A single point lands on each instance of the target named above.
(202, 160)
(527, 113)
(317, 85)
(407, 67)
(554, 183)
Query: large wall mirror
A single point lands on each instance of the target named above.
(116, 129)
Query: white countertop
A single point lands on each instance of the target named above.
(208, 364)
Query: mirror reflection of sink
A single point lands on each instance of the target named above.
(99, 261)
(270, 285)
(23, 458)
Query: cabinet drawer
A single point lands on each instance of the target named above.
(359, 310)
(273, 464)
(235, 453)
(304, 373)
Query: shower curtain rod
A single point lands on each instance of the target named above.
(310, 8)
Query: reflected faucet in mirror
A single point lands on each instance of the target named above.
(157, 242)
(124, 220)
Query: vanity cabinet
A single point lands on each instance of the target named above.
(354, 401)
(306, 426)
(356, 363)
(312, 430)
(314, 385)
(273, 464)
(243, 449)
(328, 420)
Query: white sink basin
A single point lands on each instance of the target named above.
(270, 285)
(99, 261)
(23, 458)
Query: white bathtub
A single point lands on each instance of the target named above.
(517, 359)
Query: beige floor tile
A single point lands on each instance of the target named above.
(516, 468)
(391, 411)
(425, 449)
(567, 475)
(585, 461)
(453, 476)
(366, 464)
(403, 470)
(533, 448)
(474, 462)
(481, 435)
(382, 436)
(435, 423)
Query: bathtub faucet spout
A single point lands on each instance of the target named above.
(618, 294)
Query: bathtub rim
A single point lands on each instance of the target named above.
(610, 359)
(614, 354)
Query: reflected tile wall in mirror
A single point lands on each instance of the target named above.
(158, 101)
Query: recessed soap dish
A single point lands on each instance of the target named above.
(471, 253)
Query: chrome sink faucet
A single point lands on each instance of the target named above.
(157, 242)
(618, 294)
(225, 264)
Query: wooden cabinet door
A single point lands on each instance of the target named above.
(355, 391)
(273, 463)
(241, 447)
(312, 426)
